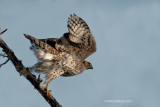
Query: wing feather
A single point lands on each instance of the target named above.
(80, 34)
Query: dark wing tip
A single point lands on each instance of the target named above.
(73, 16)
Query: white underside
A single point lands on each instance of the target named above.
(41, 54)
(44, 55)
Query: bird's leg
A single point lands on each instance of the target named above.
(47, 89)
(39, 82)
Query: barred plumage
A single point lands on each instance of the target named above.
(64, 56)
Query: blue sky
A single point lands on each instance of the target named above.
(126, 64)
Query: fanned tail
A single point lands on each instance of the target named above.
(42, 44)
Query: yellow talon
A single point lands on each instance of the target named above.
(47, 89)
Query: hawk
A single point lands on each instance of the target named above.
(64, 56)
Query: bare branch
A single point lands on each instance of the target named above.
(27, 74)
(4, 63)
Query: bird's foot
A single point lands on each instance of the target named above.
(47, 90)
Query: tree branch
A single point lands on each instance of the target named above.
(27, 74)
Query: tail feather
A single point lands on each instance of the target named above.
(42, 44)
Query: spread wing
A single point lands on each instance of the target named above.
(78, 41)
(80, 34)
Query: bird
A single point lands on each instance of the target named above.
(64, 56)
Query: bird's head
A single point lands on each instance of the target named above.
(87, 65)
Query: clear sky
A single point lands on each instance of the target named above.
(126, 64)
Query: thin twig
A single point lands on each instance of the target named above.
(3, 31)
(3, 55)
(4, 63)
